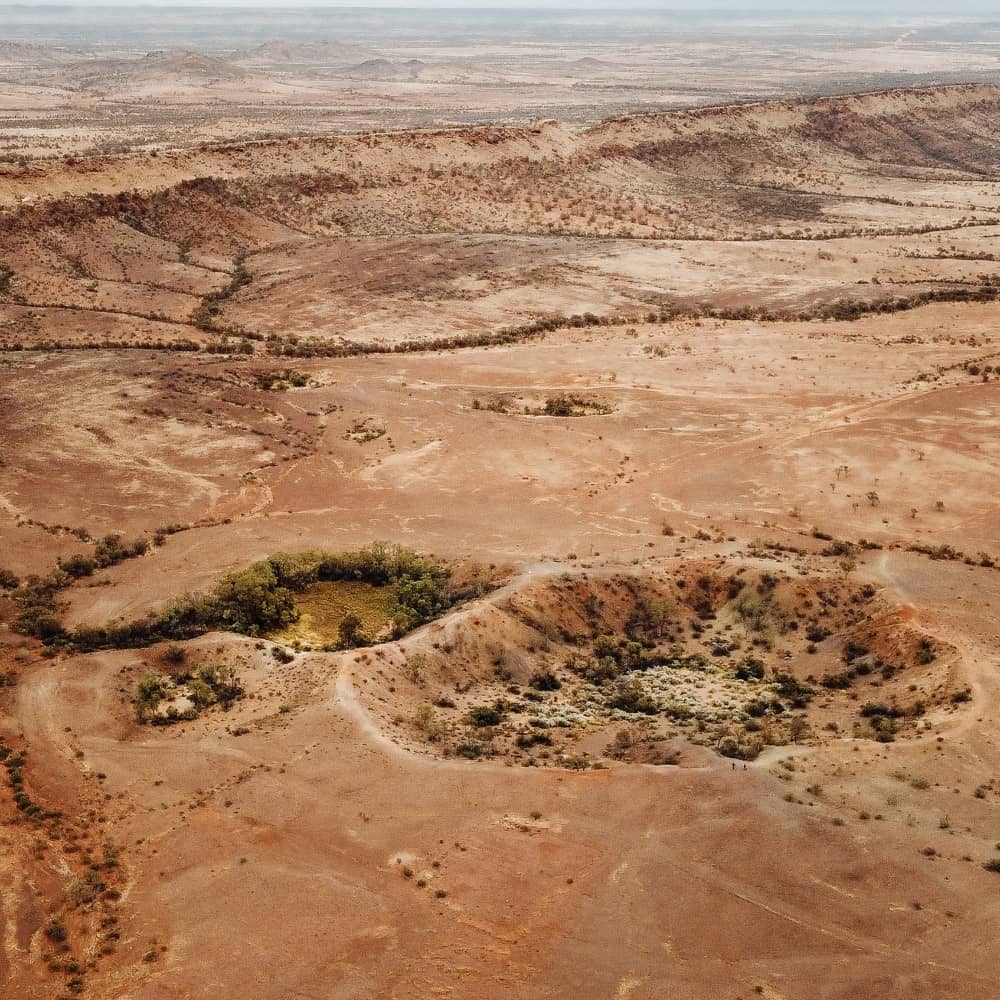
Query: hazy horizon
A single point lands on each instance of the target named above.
(788, 7)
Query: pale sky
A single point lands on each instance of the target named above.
(894, 8)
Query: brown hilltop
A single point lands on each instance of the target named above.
(828, 137)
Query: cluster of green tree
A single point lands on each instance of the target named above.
(483, 716)
(883, 719)
(628, 696)
(37, 602)
(146, 344)
(163, 533)
(844, 309)
(750, 668)
(756, 602)
(259, 598)
(37, 597)
(652, 618)
(227, 346)
(951, 554)
(840, 309)
(280, 380)
(419, 583)
(794, 691)
(6, 280)
(108, 551)
(204, 685)
(570, 406)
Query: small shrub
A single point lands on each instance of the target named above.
(545, 680)
(55, 931)
(482, 716)
(174, 654)
(628, 696)
(532, 739)
(750, 668)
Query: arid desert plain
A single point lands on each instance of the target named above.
(527, 557)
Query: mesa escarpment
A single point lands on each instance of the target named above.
(755, 143)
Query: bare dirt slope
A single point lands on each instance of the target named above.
(701, 411)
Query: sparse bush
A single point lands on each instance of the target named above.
(482, 716)
(545, 680)
(628, 696)
(750, 668)
(853, 651)
(55, 931)
(174, 654)
(533, 738)
(414, 668)
(426, 721)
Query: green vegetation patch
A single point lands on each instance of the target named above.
(364, 430)
(163, 700)
(340, 612)
(279, 381)
(261, 599)
(570, 406)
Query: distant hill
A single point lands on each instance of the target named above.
(182, 63)
(414, 70)
(171, 67)
(589, 62)
(385, 70)
(25, 54)
(325, 52)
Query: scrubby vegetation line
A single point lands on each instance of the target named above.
(845, 310)
(840, 310)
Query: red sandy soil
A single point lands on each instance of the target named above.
(312, 841)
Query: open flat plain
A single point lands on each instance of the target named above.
(87, 79)
(698, 412)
